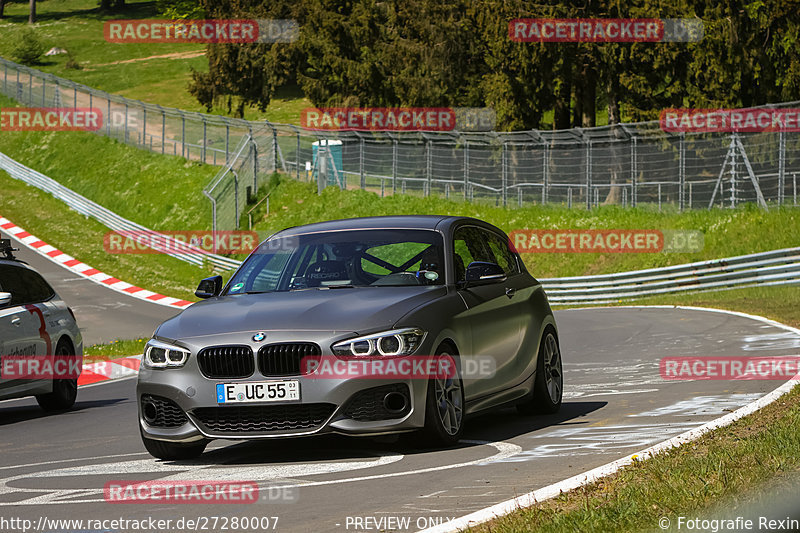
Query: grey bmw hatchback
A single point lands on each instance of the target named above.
(326, 328)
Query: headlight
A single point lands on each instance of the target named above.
(159, 354)
(396, 342)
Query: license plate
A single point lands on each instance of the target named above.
(259, 391)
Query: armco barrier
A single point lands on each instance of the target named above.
(101, 214)
(777, 267)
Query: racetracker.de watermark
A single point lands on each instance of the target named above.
(196, 492)
(50, 119)
(591, 30)
(605, 241)
(379, 118)
(34, 367)
(398, 367)
(730, 120)
(227, 31)
(183, 242)
(730, 368)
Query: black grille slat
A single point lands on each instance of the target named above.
(168, 414)
(264, 419)
(226, 362)
(285, 359)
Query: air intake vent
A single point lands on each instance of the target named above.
(264, 419)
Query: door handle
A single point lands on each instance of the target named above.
(16, 321)
(510, 292)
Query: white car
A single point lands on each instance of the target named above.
(35, 323)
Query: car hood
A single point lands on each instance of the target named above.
(358, 310)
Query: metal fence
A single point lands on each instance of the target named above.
(625, 164)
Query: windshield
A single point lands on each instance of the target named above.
(364, 258)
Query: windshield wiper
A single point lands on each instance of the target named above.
(337, 287)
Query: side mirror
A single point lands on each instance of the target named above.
(482, 273)
(209, 287)
(5, 297)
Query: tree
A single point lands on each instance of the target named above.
(2, 7)
(32, 15)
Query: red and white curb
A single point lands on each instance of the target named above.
(82, 269)
(107, 370)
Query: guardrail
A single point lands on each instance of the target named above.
(109, 219)
(777, 267)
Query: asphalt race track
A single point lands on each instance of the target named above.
(103, 314)
(616, 403)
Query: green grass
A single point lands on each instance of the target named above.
(726, 232)
(77, 26)
(688, 481)
(51, 220)
(160, 192)
(113, 350)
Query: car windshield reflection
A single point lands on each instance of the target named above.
(343, 259)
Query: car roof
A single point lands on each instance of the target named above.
(429, 222)
(15, 262)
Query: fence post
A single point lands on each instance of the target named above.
(588, 174)
(254, 147)
(297, 156)
(44, 91)
(681, 170)
(235, 200)
(634, 172)
(183, 135)
(659, 196)
(108, 117)
(394, 166)
(428, 167)
(361, 162)
(466, 167)
(144, 127)
(274, 148)
(227, 143)
(781, 165)
(733, 170)
(126, 122)
(203, 151)
(545, 172)
(504, 175)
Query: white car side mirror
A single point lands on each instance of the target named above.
(5, 297)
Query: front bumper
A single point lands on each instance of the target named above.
(344, 406)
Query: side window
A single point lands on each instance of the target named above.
(38, 289)
(469, 245)
(503, 256)
(25, 286)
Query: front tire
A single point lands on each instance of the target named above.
(65, 391)
(171, 451)
(548, 386)
(444, 405)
